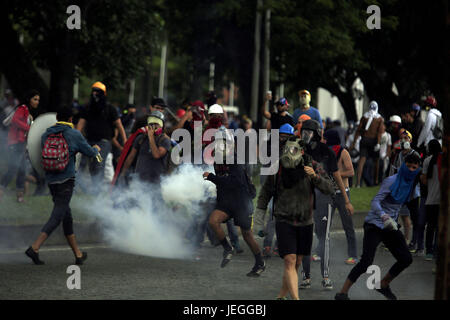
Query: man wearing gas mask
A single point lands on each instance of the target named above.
(410, 211)
(234, 199)
(292, 190)
(325, 159)
(98, 121)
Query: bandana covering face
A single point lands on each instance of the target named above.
(403, 185)
(371, 114)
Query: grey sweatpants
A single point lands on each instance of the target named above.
(323, 216)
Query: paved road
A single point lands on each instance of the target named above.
(109, 274)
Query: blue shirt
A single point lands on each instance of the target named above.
(383, 203)
(76, 142)
(312, 112)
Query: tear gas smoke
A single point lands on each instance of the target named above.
(138, 221)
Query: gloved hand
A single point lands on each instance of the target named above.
(389, 223)
(377, 147)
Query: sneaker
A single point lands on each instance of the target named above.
(257, 270)
(266, 252)
(327, 284)
(282, 298)
(79, 261)
(227, 255)
(351, 261)
(315, 258)
(429, 257)
(305, 284)
(387, 293)
(419, 253)
(341, 296)
(412, 247)
(34, 256)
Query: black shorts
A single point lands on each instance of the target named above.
(240, 212)
(366, 146)
(294, 240)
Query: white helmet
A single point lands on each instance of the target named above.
(395, 119)
(215, 108)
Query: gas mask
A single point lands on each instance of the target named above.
(308, 138)
(405, 144)
(292, 155)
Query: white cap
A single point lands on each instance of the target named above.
(215, 108)
(395, 119)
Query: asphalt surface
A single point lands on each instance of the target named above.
(111, 274)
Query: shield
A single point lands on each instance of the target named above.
(37, 129)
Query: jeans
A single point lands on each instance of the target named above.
(393, 240)
(61, 195)
(16, 166)
(347, 223)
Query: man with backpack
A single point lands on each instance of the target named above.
(60, 143)
(433, 128)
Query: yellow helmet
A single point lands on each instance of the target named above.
(100, 86)
(304, 92)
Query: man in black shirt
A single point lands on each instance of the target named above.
(98, 120)
(277, 119)
(324, 162)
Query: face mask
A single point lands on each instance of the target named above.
(158, 131)
(405, 145)
(307, 136)
(305, 100)
(215, 123)
(292, 155)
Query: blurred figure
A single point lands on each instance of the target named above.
(413, 123)
(341, 131)
(432, 128)
(128, 118)
(431, 178)
(370, 131)
(385, 153)
(395, 124)
(304, 100)
(282, 116)
(7, 106)
(17, 138)
(298, 126)
(99, 120)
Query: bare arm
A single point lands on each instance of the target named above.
(119, 126)
(341, 186)
(81, 124)
(129, 161)
(346, 166)
(423, 179)
(114, 140)
(187, 117)
(156, 152)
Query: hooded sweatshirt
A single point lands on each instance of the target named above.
(76, 143)
(426, 135)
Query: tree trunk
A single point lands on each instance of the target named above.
(16, 66)
(256, 63)
(442, 73)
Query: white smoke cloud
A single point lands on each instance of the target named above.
(144, 224)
